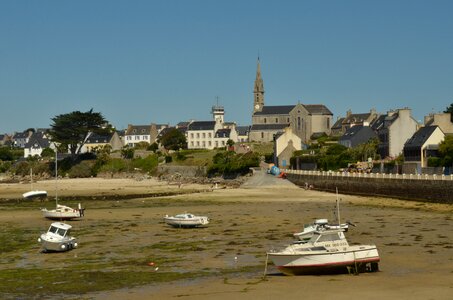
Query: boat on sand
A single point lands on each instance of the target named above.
(186, 220)
(57, 238)
(327, 251)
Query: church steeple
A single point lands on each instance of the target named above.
(258, 91)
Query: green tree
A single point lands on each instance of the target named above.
(6, 154)
(173, 140)
(47, 152)
(446, 150)
(72, 129)
(449, 109)
(127, 153)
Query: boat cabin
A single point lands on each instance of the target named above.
(60, 229)
(329, 239)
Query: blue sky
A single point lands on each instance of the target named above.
(139, 62)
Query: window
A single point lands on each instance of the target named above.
(287, 120)
(204, 144)
(265, 121)
(191, 143)
(198, 144)
(328, 123)
(223, 143)
(191, 135)
(298, 123)
(198, 135)
(217, 144)
(276, 120)
(209, 135)
(262, 135)
(209, 143)
(204, 135)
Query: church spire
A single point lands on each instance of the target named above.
(258, 91)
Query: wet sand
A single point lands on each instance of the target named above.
(415, 240)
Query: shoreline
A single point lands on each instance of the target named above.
(414, 241)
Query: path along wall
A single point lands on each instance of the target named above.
(416, 188)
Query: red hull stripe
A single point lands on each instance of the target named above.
(346, 263)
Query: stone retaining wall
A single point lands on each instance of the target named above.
(438, 191)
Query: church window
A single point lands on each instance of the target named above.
(328, 123)
(298, 123)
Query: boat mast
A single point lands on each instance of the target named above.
(56, 177)
(338, 207)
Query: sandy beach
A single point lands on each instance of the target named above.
(225, 260)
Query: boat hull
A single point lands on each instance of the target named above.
(195, 222)
(34, 194)
(311, 262)
(59, 245)
(63, 212)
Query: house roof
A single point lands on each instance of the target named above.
(260, 127)
(420, 137)
(353, 118)
(378, 123)
(164, 131)
(99, 139)
(138, 130)
(37, 140)
(223, 133)
(243, 130)
(338, 123)
(317, 109)
(275, 110)
(201, 125)
(352, 132)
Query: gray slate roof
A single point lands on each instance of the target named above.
(420, 137)
(243, 130)
(37, 140)
(202, 125)
(260, 127)
(223, 133)
(275, 110)
(139, 130)
(99, 139)
(317, 109)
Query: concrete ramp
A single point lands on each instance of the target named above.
(260, 179)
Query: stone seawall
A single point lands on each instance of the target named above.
(437, 191)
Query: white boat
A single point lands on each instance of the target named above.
(62, 212)
(57, 238)
(323, 224)
(326, 251)
(186, 220)
(34, 193)
(319, 225)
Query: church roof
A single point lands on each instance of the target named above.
(317, 109)
(275, 110)
(257, 127)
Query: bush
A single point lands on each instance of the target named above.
(147, 164)
(82, 170)
(230, 164)
(168, 159)
(181, 156)
(5, 166)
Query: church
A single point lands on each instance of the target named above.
(305, 120)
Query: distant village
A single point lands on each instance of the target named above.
(291, 127)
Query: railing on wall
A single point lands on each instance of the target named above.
(370, 175)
